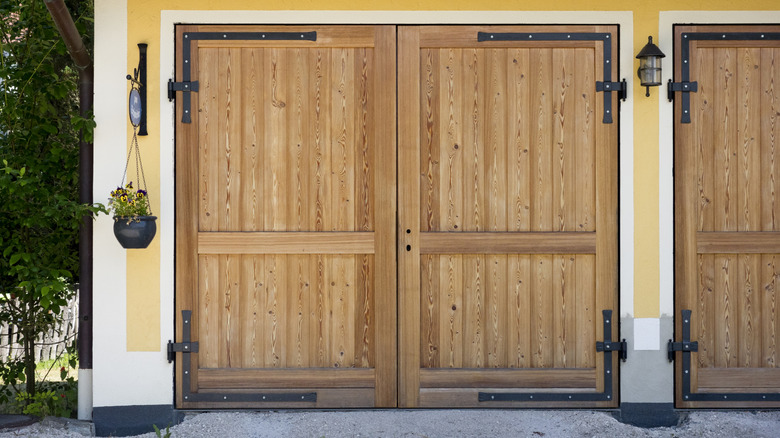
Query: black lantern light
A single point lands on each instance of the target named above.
(650, 65)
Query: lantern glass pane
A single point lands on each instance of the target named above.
(650, 71)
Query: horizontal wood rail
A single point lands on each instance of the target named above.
(243, 378)
(738, 242)
(508, 243)
(508, 378)
(285, 243)
(738, 379)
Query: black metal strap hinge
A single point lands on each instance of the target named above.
(185, 87)
(180, 347)
(683, 87)
(173, 87)
(680, 346)
(621, 347)
(620, 87)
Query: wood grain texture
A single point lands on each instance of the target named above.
(726, 220)
(294, 267)
(501, 163)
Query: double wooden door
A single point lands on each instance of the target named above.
(311, 272)
(727, 215)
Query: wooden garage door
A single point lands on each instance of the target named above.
(507, 216)
(285, 216)
(727, 219)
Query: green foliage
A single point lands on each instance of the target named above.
(40, 214)
(159, 434)
(58, 399)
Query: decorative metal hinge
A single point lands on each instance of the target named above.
(686, 346)
(181, 347)
(621, 88)
(173, 87)
(684, 87)
(621, 347)
(186, 87)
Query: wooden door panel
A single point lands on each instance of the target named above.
(507, 212)
(726, 227)
(288, 269)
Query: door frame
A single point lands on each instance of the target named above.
(166, 116)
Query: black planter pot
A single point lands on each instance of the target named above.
(135, 232)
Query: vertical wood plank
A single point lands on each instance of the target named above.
(472, 101)
(542, 307)
(770, 138)
(587, 313)
(769, 324)
(451, 133)
(451, 311)
(365, 329)
(705, 317)
(497, 291)
(725, 335)
(430, 143)
(297, 151)
(584, 142)
(541, 139)
(275, 190)
(364, 161)
(749, 323)
(429, 307)
(520, 312)
(725, 140)
(208, 306)
(320, 136)
(385, 197)
(343, 139)
(702, 107)
(563, 132)
(209, 141)
(473, 299)
(252, 168)
(518, 162)
(409, 135)
(273, 316)
(496, 148)
(749, 133)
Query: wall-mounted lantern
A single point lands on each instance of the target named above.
(650, 65)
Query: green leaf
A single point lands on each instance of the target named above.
(14, 258)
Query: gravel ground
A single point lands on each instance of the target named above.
(441, 423)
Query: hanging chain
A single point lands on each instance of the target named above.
(139, 167)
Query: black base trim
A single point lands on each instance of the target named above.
(134, 420)
(648, 414)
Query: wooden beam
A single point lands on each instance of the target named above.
(508, 243)
(508, 378)
(741, 242)
(237, 378)
(285, 243)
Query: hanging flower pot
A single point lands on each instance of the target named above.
(135, 231)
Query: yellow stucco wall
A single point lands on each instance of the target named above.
(143, 267)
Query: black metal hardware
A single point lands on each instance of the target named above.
(605, 38)
(226, 36)
(685, 57)
(607, 347)
(621, 88)
(621, 347)
(140, 76)
(687, 395)
(180, 347)
(212, 397)
(671, 347)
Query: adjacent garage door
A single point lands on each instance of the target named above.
(727, 215)
(291, 255)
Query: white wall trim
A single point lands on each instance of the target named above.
(666, 22)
